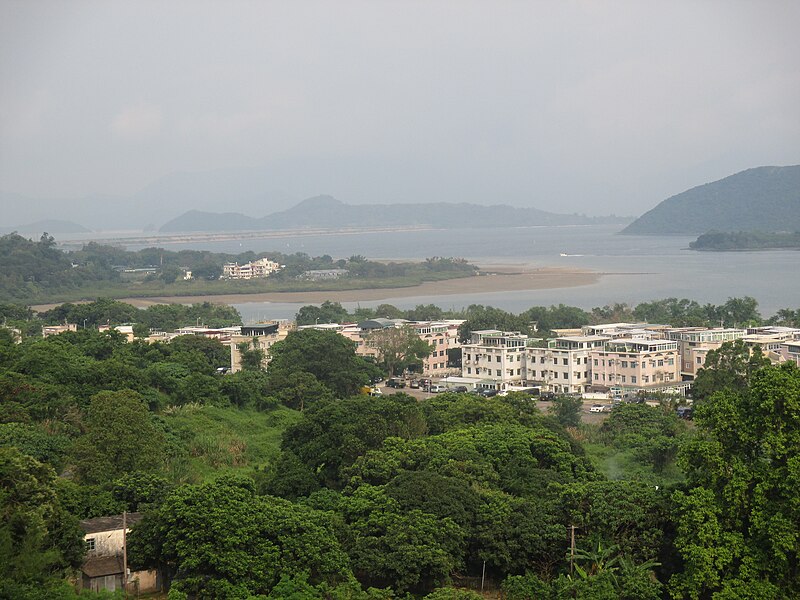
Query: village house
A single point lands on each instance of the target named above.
(633, 365)
(494, 357)
(563, 366)
(694, 344)
(105, 564)
(261, 336)
(263, 267)
(49, 330)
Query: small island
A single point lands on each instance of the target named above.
(722, 241)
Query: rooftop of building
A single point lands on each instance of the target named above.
(110, 523)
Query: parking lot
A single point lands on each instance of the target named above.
(543, 405)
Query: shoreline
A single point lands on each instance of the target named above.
(493, 278)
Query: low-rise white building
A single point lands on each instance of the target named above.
(104, 567)
(263, 267)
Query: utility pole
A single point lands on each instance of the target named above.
(572, 529)
(483, 575)
(125, 553)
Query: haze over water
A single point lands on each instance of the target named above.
(639, 268)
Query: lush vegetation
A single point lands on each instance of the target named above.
(290, 483)
(38, 272)
(747, 240)
(761, 199)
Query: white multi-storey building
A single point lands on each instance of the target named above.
(629, 364)
(563, 366)
(496, 357)
(695, 342)
(263, 267)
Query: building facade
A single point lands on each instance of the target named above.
(497, 358)
(695, 342)
(564, 365)
(104, 567)
(263, 267)
(632, 365)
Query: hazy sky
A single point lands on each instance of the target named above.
(592, 106)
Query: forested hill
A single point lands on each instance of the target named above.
(329, 213)
(763, 199)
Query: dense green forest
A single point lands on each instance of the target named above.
(245, 495)
(746, 240)
(39, 272)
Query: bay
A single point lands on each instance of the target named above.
(636, 268)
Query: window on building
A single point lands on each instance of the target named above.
(469, 370)
(469, 357)
(498, 358)
(623, 379)
(566, 375)
(698, 360)
(634, 364)
(541, 360)
(645, 378)
(660, 363)
(441, 352)
(596, 376)
(595, 362)
(499, 372)
(633, 378)
(555, 361)
(89, 544)
(435, 365)
(519, 371)
(566, 362)
(625, 364)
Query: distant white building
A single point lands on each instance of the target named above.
(263, 267)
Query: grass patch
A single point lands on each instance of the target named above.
(617, 464)
(218, 440)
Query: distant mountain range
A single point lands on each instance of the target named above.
(329, 213)
(760, 199)
(51, 226)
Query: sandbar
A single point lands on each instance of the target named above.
(492, 278)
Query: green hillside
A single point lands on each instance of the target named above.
(760, 199)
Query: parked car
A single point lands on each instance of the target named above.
(685, 412)
(395, 383)
(488, 393)
(597, 408)
(460, 389)
(414, 385)
(376, 392)
(436, 388)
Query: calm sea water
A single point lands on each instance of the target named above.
(639, 268)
